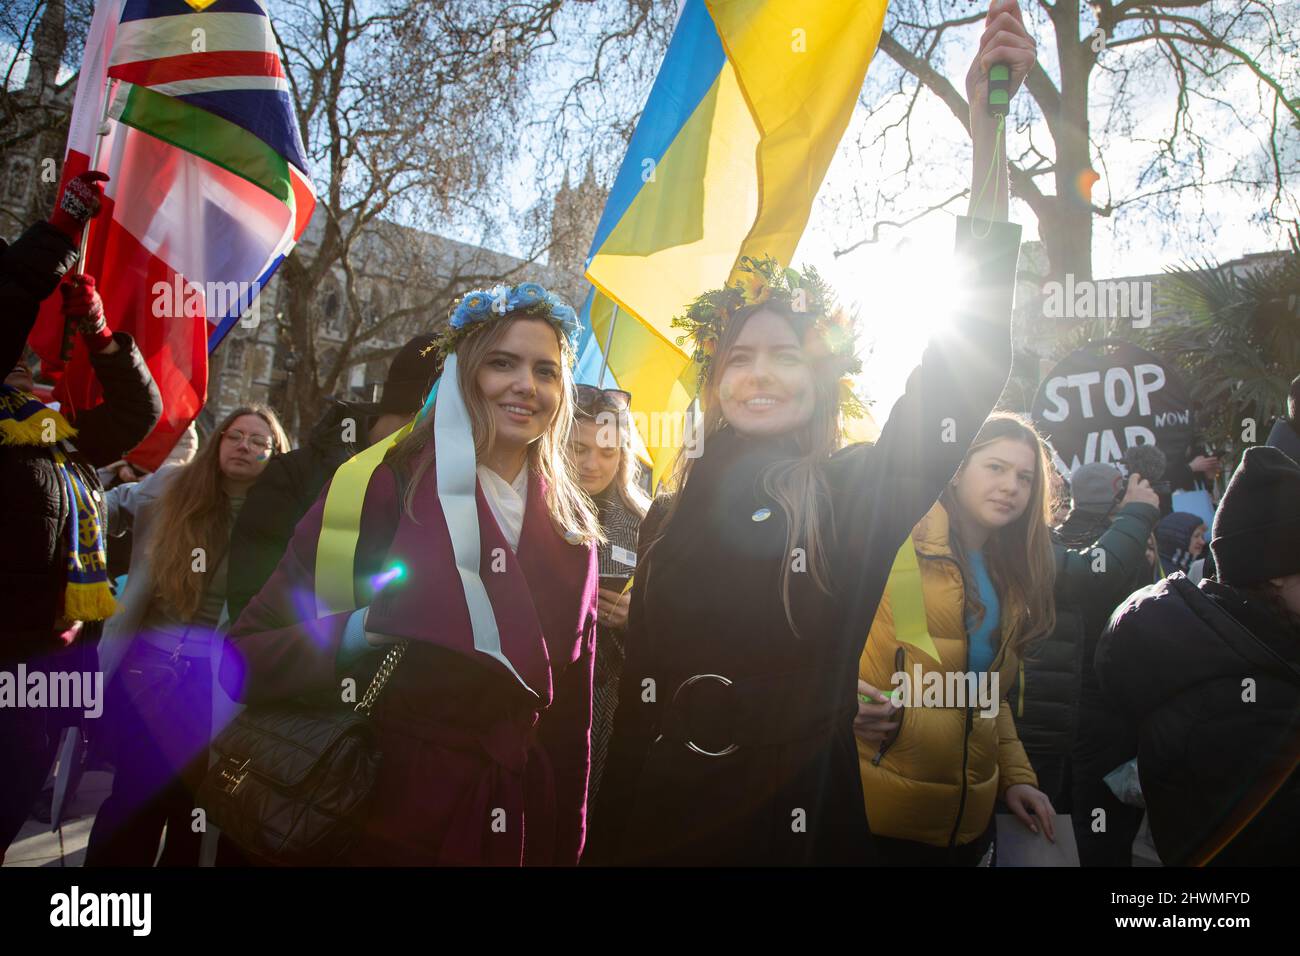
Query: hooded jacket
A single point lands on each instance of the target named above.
(1174, 537)
(1285, 436)
(1211, 679)
(940, 777)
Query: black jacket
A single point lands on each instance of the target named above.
(30, 271)
(707, 604)
(1285, 436)
(1096, 568)
(33, 519)
(1212, 682)
(284, 492)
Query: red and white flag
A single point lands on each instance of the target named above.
(208, 190)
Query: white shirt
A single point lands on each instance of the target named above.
(507, 501)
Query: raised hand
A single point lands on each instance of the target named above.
(1005, 40)
(80, 201)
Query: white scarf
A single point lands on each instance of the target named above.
(507, 500)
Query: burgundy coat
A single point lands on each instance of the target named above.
(477, 768)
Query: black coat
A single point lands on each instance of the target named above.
(285, 491)
(1090, 584)
(1285, 436)
(33, 519)
(707, 601)
(1176, 661)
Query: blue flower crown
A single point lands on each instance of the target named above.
(477, 307)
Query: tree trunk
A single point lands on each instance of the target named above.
(1067, 233)
(301, 392)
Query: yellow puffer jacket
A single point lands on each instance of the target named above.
(939, 779)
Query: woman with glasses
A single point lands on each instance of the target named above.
(601, 449)
(157, 651)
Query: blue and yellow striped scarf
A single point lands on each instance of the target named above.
(26, 420)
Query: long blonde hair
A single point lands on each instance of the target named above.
(798, 485)
(625, 482)
(1021, 561)
(569, 508)
(194, 512)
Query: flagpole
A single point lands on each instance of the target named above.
(69, 329)
(609, 340)
(94, 164)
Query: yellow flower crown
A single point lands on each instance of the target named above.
(804, 294)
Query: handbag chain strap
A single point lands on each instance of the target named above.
(386, 668)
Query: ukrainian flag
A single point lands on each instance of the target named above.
(739, 130)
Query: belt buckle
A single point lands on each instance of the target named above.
(690, 744)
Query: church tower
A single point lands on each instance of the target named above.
(29, 167)
(48, 46)
(574, 217)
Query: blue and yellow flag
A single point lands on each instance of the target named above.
(739, 130)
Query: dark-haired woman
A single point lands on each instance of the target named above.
(758, 578)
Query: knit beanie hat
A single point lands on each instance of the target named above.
(1257, 527)
(1096, 487)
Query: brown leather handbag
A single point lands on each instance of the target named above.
(292, 783)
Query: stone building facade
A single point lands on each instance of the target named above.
(257, 363)
(29, 171)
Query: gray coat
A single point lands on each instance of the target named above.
(134, 507)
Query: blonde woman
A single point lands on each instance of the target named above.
(933, 768)
(157, 649)
(606, 468)
(484, 723)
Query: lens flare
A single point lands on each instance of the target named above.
(395, 573)
(1084, 182)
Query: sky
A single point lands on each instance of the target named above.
(898, 285)
(898, 282)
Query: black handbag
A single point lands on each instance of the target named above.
(292, 783)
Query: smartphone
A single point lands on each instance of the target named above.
(614, 582)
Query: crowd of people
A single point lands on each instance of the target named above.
(558, 669)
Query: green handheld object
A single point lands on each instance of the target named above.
(999, 89)
(866, 699)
